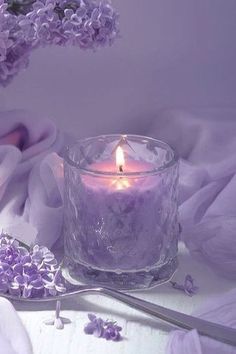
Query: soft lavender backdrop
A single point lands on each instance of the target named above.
(173, 53)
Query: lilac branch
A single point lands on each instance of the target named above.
(26, 25)
(28, 273)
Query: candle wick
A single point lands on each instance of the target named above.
(121, 168)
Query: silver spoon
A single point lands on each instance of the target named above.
(213, 330)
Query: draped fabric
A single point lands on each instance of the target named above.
(206, 143)
(31, 177)
(13, 336)
(31, 194)
(222, 310)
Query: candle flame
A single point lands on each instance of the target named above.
(120, 159)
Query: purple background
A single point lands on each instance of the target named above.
(172, 54)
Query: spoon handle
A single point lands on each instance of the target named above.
(216, 331)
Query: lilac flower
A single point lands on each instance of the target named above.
(27, 286)
(112, 332)
(188, 287)
(28, 24)
(14, 49)
(43, 256)
(54, 284)
(11, 252)
(102, 329)
(33, 273)
(87, 24)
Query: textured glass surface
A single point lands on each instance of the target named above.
(121, 229)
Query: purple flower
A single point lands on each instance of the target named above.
(95, 326)
(27, 286)
(112, 333)
(188, 287)
(28, 273)
(54, 284)
(43, 256)
(14, 49)
(28, 24)
(102, 329)
(29, 269)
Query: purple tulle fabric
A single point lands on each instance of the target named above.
(214, 241)
(220, 310)
(205, 141)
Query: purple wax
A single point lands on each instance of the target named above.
(119, 227)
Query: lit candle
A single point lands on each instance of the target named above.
(121, 208)
(121, 169)
(117, 215)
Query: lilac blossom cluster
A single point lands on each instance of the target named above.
(102, 329)
(188, 287)
(28, 273)
(28, 24)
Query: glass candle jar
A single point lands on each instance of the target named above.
(120, 211)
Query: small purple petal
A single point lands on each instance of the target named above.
(26, 259)
(90, 328)
(4, 266)
(189, 288)
(14, 289)
(112, 334)
(18, 268)
(4, 287)
(91, 317)
(98, 332)
(37, 284)
(27, 291)
(177, 286)
(21, 280)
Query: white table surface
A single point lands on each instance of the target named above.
(142, 334)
